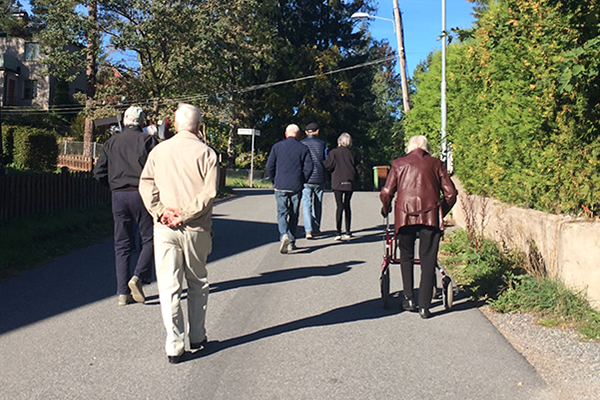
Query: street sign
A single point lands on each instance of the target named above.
(253, 133)
(248, 131)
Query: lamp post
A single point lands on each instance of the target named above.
(401, 55)
(443, 91)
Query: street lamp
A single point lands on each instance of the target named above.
(446, 154)
(443, 86)
(401, 56)
(360, 15)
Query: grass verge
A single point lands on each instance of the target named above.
(239, 182)
(500, 278)
(29, 242)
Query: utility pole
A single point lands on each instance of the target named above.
(401, 56)
(444, 155)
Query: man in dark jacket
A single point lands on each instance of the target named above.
(119, 166)
(425, 194)
(289, 165)
(312, 194)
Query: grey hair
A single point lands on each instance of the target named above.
(418, 142)
(345, 140)
(187, 117)
(134, 116)
(292, 128)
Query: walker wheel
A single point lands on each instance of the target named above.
(448, 292)
(385, 287)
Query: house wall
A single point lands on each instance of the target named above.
(30, 70)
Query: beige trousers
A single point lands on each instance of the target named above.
(180, 253)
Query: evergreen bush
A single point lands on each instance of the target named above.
(523, 105)
(34, 149)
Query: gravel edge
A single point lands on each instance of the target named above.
(569, 363)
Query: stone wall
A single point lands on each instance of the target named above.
(565, 247)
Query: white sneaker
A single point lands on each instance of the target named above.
(309, 235)
(346, 236)
(338, 237)
(283, 246)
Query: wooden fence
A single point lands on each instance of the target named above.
(75, 162)
(46, 193)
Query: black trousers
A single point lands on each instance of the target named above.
(428, 250)
(342, 201)
(128, 210)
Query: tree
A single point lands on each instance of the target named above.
(13, 19)
(72, 27)
(227, 57)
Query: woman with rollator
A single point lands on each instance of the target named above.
(425, 194)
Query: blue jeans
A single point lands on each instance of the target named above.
(312, 206)
(288, 207)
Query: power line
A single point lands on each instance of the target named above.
(75, 109)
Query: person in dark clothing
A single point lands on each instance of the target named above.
(119, 166)
(312, 194)
(424, 195)
(341, 162)
(289, 165)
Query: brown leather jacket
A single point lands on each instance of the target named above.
(419, 180)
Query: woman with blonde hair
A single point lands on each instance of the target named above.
(341, 162)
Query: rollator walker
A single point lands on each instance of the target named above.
(392, 256)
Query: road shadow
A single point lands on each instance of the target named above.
(284, 275)
(366, 310)
(271, 277)
(326, 239)
(88, 275)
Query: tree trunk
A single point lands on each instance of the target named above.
(90, 77)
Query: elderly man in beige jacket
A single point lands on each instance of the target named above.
(178, 186)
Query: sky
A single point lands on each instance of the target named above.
(422, 20)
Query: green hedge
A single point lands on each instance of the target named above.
(28, 148)
(7, 144)
(523, 105)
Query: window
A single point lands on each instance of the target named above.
(30, 91)
(32, 51)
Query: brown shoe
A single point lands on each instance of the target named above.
(135, 285)
(125, 299)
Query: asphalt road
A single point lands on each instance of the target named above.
(306, 325)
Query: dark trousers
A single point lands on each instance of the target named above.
(428, 250)
(128, 211)
(342, 201)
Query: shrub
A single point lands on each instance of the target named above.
(34, 149)
(523, 105)
(7, 144)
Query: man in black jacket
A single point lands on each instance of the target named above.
(289, 165)
(119, 166)
(312, 194)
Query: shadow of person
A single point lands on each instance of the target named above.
(366, 310)
(270, 277)
(284, 275)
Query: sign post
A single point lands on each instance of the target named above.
(253, 133)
